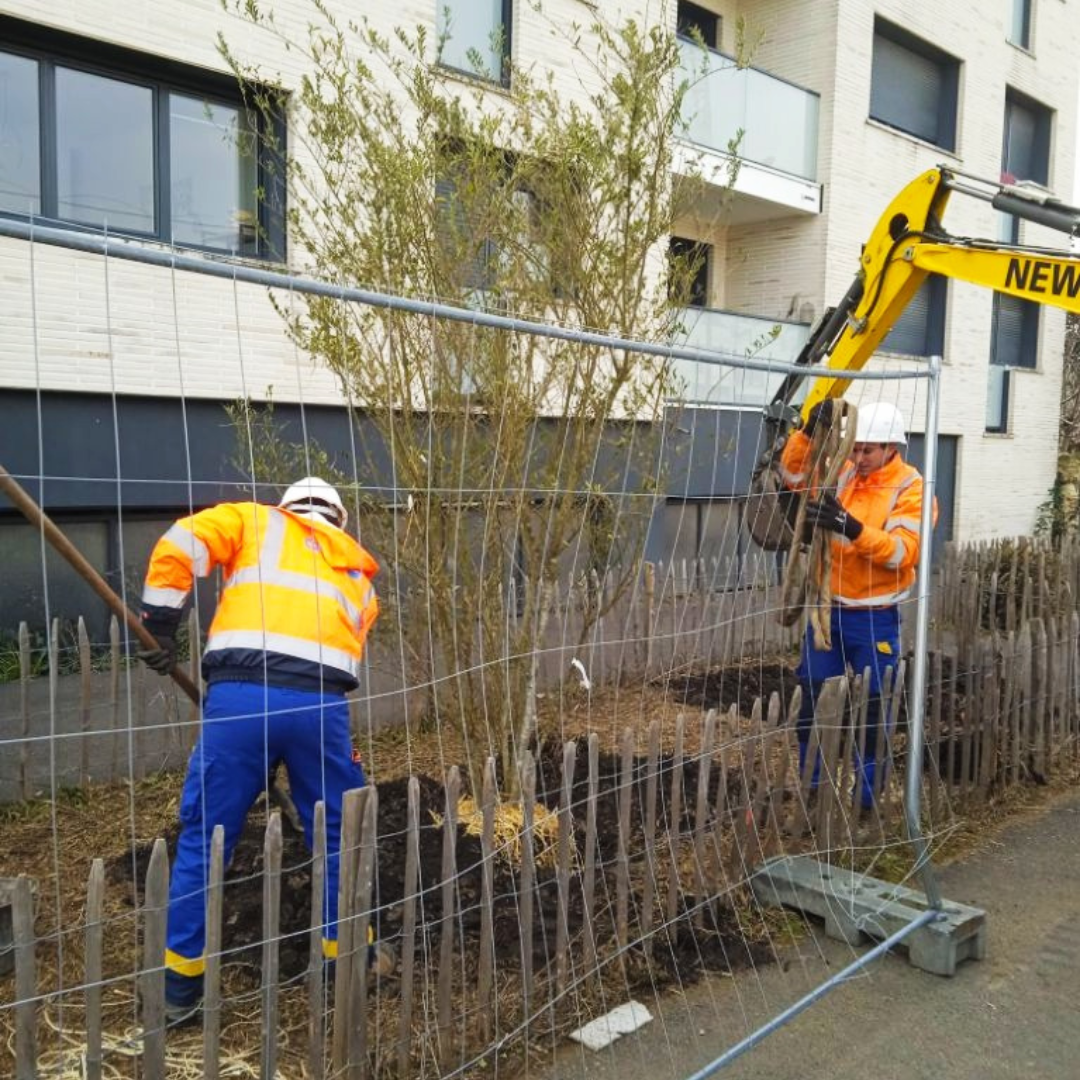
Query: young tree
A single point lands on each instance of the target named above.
(515, 461)
(1069, 431)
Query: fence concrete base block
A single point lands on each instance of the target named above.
(857, 908)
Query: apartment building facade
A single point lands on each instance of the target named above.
(125, 119)
(889, 91)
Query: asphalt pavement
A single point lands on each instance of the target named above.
(1014, 1014)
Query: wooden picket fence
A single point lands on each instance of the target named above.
(1003, 701)
(692, 823)
(598, 906)
(1001, 584)
(650, 843)
(82, 713)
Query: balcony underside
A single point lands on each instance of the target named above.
(758, 193)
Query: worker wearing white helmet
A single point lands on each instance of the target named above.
(312, 496)
(874, 519)
(284, 647)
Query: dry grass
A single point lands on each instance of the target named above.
(55, 843)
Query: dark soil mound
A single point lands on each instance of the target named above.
(723, 687)
(680, 954)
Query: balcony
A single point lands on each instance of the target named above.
(777, 149)
(731, 335)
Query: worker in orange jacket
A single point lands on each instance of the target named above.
(284, 647)
(875, 518)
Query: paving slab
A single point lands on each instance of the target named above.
(1015, 1013)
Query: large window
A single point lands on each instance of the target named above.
(98, 137)
(920, 331)
(474, 36)
(20, 157)
(913, 86)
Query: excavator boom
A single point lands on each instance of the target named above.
(908, 243)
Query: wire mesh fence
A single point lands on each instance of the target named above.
(576, 710)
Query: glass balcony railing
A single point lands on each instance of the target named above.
(738, 336)
(778, 120)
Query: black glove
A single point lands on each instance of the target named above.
(163, 658)
(827, 513)
(821, 415)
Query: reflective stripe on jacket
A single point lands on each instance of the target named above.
(879, 567)
(296, 599)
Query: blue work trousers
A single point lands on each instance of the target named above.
(861, 638)
(246, 728)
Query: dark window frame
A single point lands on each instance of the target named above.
(52, 49)
(1029, 313)
(1025, 25)
(699, 294)
(948, 95)
(1028, 343)
(503, 77)
(1002, 427)
(1042, 118)
(936, 288)
(708, 23)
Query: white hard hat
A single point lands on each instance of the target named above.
(880, 422)
(314, 496)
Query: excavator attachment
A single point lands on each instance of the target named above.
(908, 242)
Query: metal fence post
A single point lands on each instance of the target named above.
(917, 703)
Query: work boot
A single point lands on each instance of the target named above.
(178, 1016)
(183, 999)
(382, 960)
(381, 963)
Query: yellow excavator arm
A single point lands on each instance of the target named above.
(910, 242)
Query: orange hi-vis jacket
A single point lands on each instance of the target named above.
(878, 568)
(296, 600)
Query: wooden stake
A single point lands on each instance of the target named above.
(674, 821)
(95, 905)
(588, 884)
(24, 711)
(486, 1005)
(155, 910)
(528, 883)
(408, 927)
(648, 899)
(271, 944)
(348, 856)
(85, 693)
(316, 976)
(701, 810)
(22, 918)
(365, 881)
(566, 835)
(212, 976)
(446, 922)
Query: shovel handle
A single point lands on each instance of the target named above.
(41, 521)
